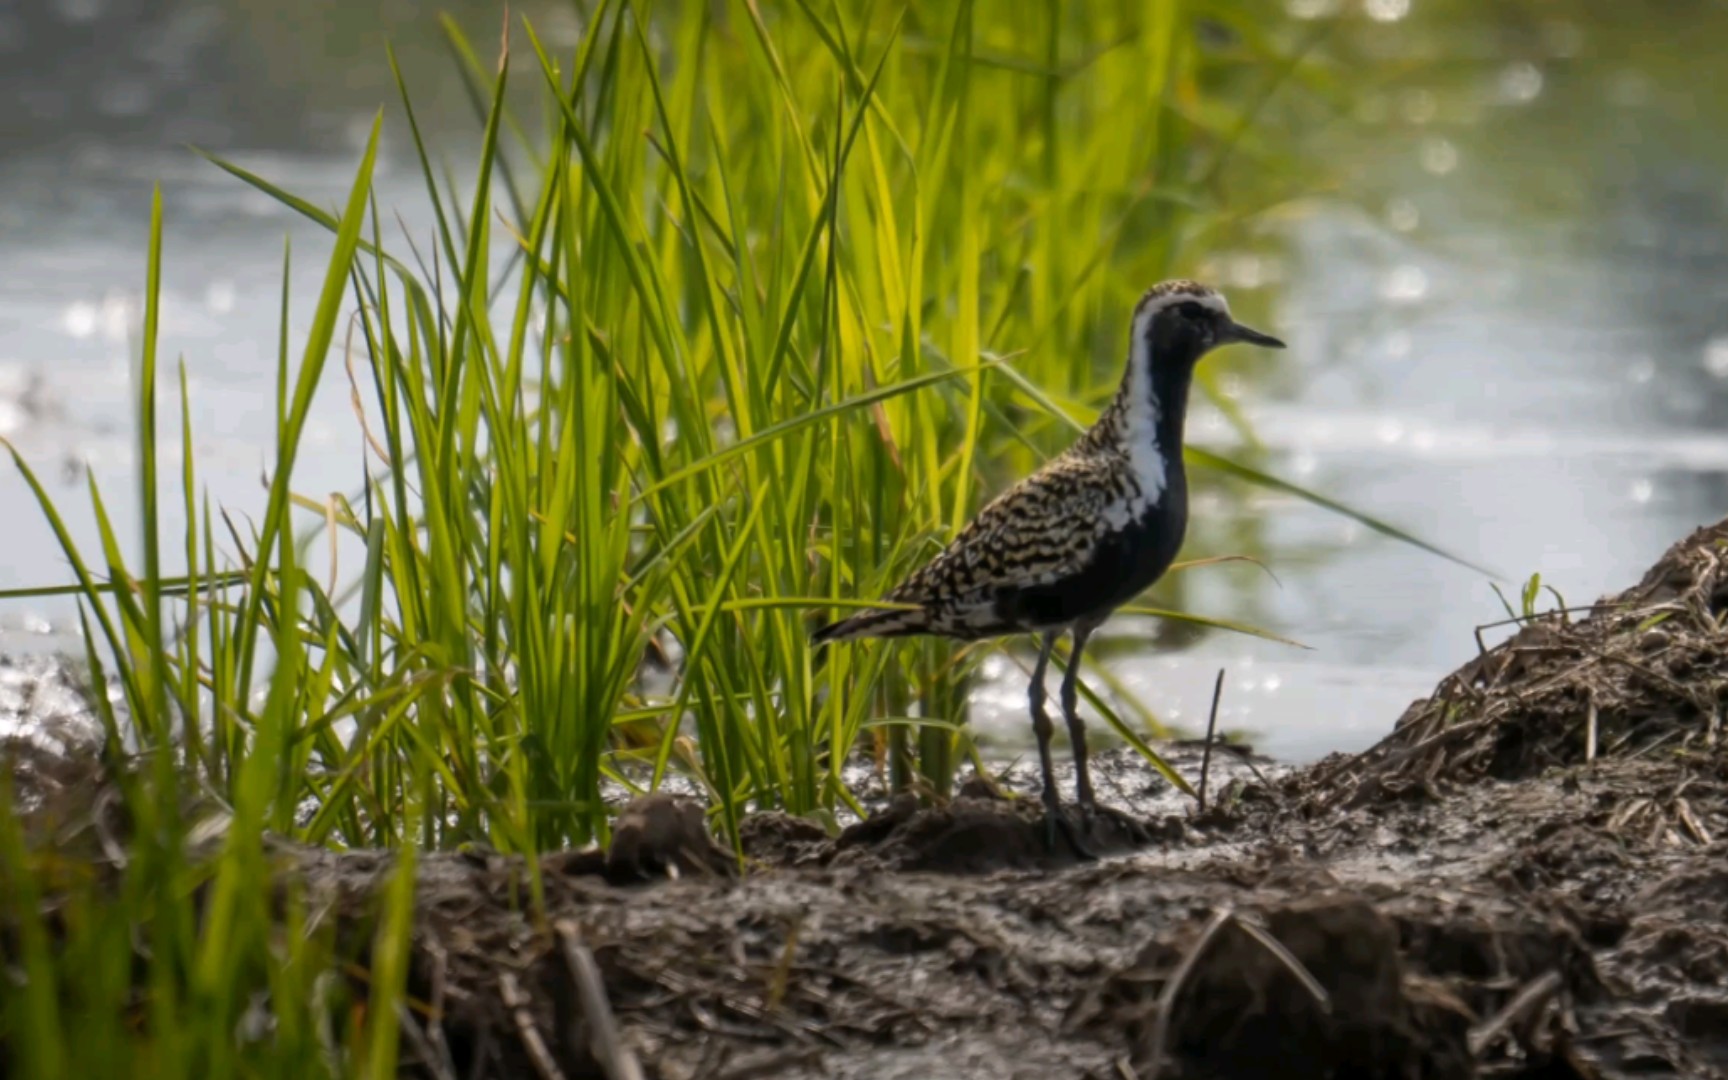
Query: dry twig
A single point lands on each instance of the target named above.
(1295, 967)
(1211, 732)
(1524, 1004)
(517, 1002)
(435, 1020)
(1185, 970)
(1683, 810)
(422, 1044)
(1179, 977)
(605, 1041)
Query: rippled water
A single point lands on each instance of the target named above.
(1509, 335)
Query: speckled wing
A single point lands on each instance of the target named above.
(1040, 531)
(1037, 533)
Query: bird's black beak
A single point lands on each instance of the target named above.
(1235, 331)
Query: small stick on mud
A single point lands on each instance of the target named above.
(782, 977)
(517, 1002)
(1654, 676)
(417, 1038)
(772, 1063)
(1524, 1004)
(1167, 998)
(1683, 810)
(1590, 731)
(435, 1022)
(605, 1041)
(1295, 967)
(1224, 917)
(1569, 609)
(485, 1048)
(1260, 776)
(1211, 728)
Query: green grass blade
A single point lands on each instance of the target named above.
(1210, 460)
(798, 423)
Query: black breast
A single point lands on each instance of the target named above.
(1125, 564)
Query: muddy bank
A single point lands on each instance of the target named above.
(1524, 879)
(1507, 930)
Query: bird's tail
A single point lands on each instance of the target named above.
(895, 623)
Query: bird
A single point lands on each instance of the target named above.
(1061, 550)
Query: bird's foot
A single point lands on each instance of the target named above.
(1060, 830)
(1115, 826)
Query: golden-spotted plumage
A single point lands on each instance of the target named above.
(1039, 532)
(1063, 548)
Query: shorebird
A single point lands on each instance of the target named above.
(1090, 530)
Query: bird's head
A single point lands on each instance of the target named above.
(1178, 322)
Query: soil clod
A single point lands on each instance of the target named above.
(977, 835)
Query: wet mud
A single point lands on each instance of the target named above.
(1527, 878)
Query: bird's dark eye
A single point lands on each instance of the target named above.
(1192, 310)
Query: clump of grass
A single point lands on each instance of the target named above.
(745, 323)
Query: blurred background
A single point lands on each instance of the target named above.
(1505, 300)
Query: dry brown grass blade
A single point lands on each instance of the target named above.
(605, 1040)
(1534, 996)
(517, 1001)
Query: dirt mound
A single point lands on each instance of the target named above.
(1506, 932)
(979, 835)
(1645, 672)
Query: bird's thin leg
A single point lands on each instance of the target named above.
(1071, 712)
(1042, 727)
(1054, 823)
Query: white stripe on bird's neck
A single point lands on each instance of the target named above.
(1140, 426)
(1142, 411)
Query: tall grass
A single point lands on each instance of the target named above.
(744, 323)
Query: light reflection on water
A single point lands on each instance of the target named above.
(1509, 337)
